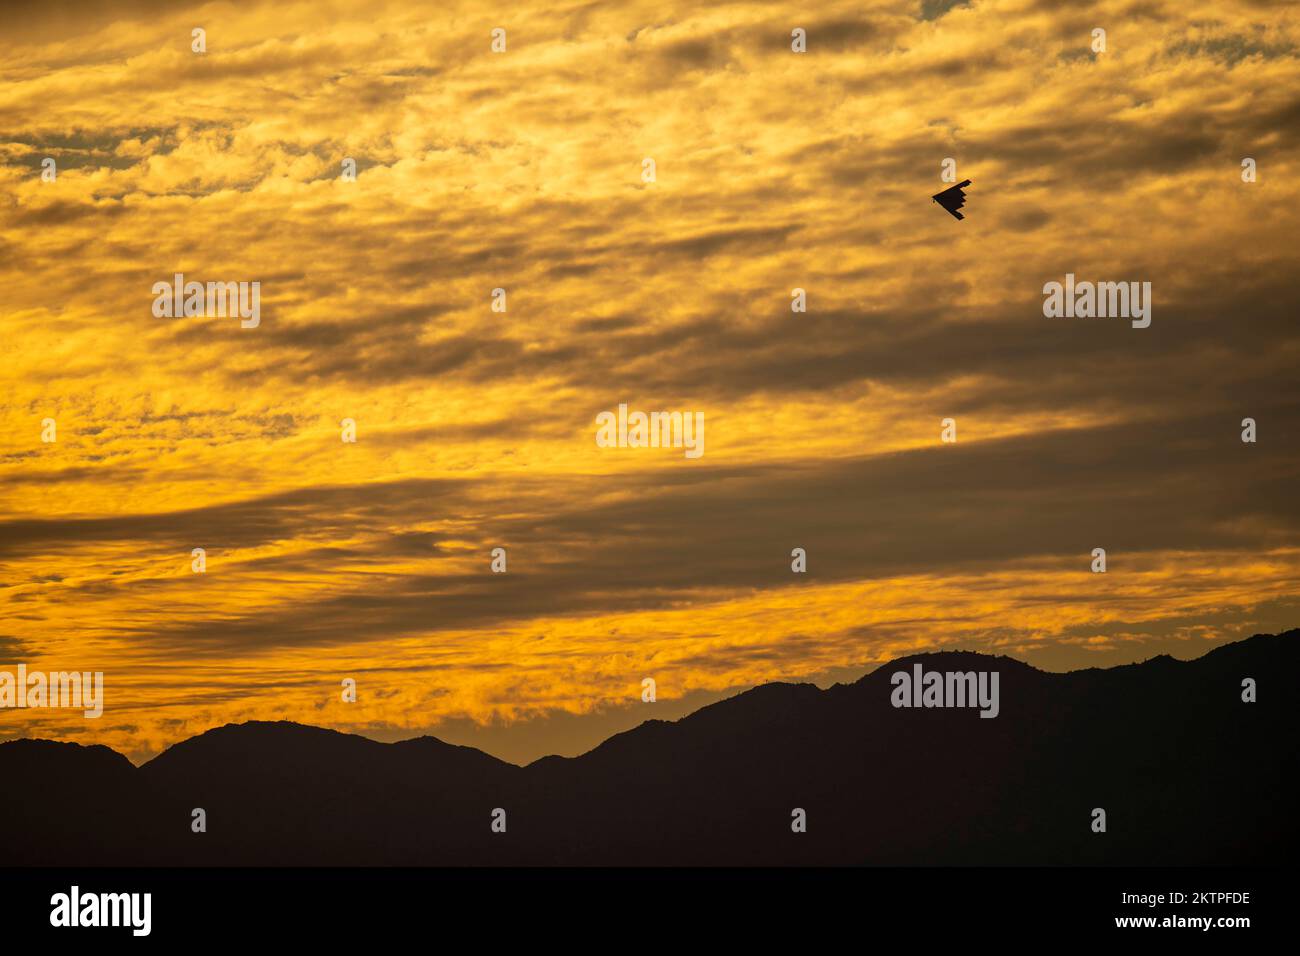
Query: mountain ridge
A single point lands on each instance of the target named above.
(1186, 771)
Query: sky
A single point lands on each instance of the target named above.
(524, 170)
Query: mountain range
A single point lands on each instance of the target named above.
(1186, 771)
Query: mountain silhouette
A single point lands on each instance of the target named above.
(1186, 771)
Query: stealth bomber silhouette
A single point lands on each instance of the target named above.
(953, 198)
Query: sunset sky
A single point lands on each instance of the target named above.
(476, 429)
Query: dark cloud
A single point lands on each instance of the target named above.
(1188, 486)
(65, 212)
(306, 512)
(934, 9)
(11, 648)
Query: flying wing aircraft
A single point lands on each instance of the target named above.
(953, 198)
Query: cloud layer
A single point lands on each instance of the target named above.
(523, 171)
